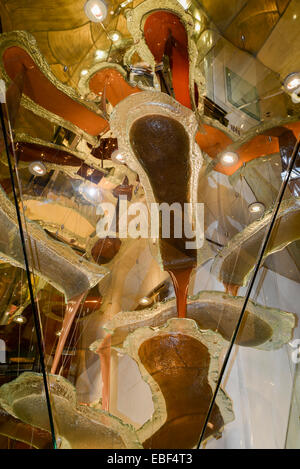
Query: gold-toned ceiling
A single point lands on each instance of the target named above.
(68, 39)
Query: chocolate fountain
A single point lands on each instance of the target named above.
(156, 136)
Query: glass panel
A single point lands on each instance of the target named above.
(259, 380)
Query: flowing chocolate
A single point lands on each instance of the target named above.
(162, 146)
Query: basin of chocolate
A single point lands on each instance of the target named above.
(162, 146)
(180, 364)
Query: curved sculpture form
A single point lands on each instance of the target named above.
(75, 163)
(180, 364)
(108, 78)
(262, 327)
(264, 139)
(156, 136)
(60, 215)
(43, 93)
(52, 260)
(16, 430)
(137, 19)
(78, 426)
(235, 262)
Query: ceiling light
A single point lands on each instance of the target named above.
(292, 81)
(58, 333)
(100, 54)
(117, 157)
(20, 319)
(229, 158)
(37, 168)
(197, 27)
(90, 192)
(256, 207)
(95, 10)
(145, 301)
(84, 72)
(184, 3)
(115, 36)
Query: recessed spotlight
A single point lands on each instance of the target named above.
(115, 36)
(84, 72)
(58, 333)
(37, 168)
(145, 301)
(20, 319)
(256, 208)
(294, 17)
(95, 10)
(117, 157)
(292, 81)
(229, 158)
(100, 54)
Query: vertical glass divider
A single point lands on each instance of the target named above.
(34, 309)
(251, 283)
